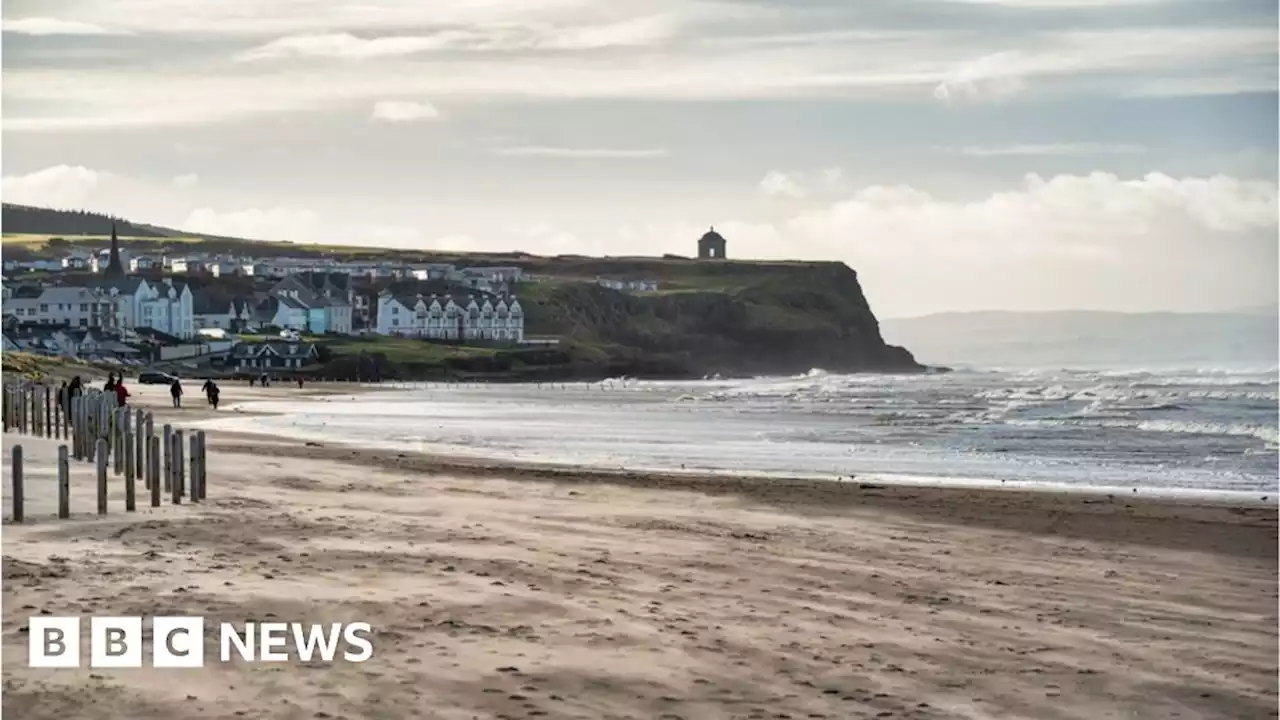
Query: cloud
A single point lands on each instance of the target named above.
(504, 38)
(581, 153)
(781, 184)
(816, 185)
(1049, 149)
(991, 76)
(337, 45)
(61, 186)
(616, 58)
(53, 26)
(397, 111)
(1191, 242)
(189, 180)
(278, 223)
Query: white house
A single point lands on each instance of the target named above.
(74, 306)
(212, 312)
(143, 262)
(166, 306)
(640, 285)
(77, 260)
(444, 319)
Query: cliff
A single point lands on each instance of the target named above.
(783, 319)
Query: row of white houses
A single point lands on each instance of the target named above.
(444, 319)
(130, 303)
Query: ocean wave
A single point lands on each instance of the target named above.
(1266, 433)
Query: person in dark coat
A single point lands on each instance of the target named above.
(211, 391)
(111, 383)
(175, 391)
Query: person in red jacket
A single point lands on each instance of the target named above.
(122, 395)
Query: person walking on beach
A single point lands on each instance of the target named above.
(122, 393)
(252, 380)
(299, 382)
(111, 383)
(175, 391)
(211, 391)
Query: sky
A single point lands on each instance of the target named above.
(959, 154)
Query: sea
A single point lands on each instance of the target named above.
(1168, 431)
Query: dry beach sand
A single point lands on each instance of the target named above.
(522, 593)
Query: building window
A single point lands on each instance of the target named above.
(44, 307)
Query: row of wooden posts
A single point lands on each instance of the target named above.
(121, 439)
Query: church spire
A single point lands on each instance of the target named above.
(115, 269)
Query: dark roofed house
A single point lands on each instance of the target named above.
(273, 355)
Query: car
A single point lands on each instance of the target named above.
(153, 377)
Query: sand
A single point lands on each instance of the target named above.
(520, 593)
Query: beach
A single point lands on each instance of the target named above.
(499, 590)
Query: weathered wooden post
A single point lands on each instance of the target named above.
(16, 476)
(74, 409)
(102, 476)
(130, 490)
(90, 427)
(139, 446)
(204, 466)
(64, 483)
(168, 458)
(57, 414)
(117, 440)
(4, 408)
(22, 410)
(153, 469)
(194, 462)
(48, 412)
(35, 411)
(175, 467)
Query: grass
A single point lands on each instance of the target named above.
(31, 366)
(402, 350)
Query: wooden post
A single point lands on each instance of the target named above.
(117, 440)
(130, 491)
(16, 476)
(168, 458)
(48, 412)
(4, 408)
(153, 469)
(175, 467)
(139, 446)
(64, 483)
(22, 409)
(204, 466)
(194, 461)
(102, 476)
(35, 411)
(57, 415)
(90, 427)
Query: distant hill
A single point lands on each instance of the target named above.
(1087, 338)
(25, 219)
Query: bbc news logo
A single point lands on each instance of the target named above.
(178, 642)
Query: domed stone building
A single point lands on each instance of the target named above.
(711, 246)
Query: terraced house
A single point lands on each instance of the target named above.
(490, 318)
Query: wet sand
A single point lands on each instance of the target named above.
(521, 592)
